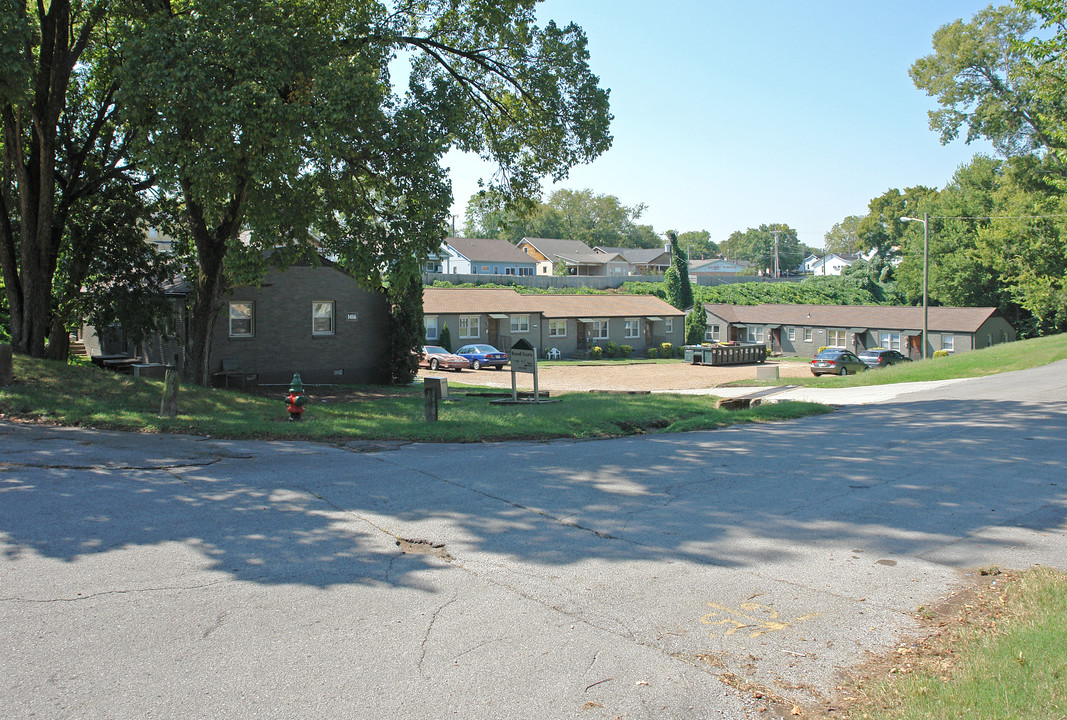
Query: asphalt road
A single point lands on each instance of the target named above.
(646, 577)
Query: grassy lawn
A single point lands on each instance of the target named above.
(987, 361)
(997, 654)
(84, 395)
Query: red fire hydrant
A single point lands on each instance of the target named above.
(297, 401)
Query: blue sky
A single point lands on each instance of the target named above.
(730, 115)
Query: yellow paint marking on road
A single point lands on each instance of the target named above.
(762, 617)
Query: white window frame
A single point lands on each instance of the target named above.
(807, 334)
(557, 328)
(599, 330)
(520, 324)
(791, 333)
(948, 342)
(316, 305)
(470, 327)
(832, 335)
(668, 325)
(250, 316)
(429, 322)
(890, 341)
(755, 334)
(632, 328)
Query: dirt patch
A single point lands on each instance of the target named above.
(621, 377)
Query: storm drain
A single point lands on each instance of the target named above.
(422, 547)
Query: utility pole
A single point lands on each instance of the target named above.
(777, 270)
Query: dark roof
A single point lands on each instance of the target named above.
(552, 248)
(489, 250)
(637, 256)
(451, 301)
(888, 317)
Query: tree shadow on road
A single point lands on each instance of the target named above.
(923, 479)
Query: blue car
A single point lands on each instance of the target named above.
(483, 356)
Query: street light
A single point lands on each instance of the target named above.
(925, 220)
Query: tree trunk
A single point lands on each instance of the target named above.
(211, 247)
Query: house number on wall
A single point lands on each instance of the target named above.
(352, 317)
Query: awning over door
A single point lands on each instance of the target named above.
(499, 316)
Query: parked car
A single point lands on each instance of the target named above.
(836, 361)
(882, 357)
(435, 356)
(483, 356)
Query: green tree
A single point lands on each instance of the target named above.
(279, 117)
(698, 243)
(981, 77)
(843, 238)
(696, 325)
(676, 279)
(406, 329)
(66, 154)
(882, 229)
(757, 245)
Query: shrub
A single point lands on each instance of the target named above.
(611, 349)
(666, 349)
(680, 351)
(940, 353)
(445, 339)
(596, 352)
(653, 353)
(626, 350)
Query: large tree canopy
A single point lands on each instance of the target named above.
(980, 76)
(760, 247)
(68, 175)
(596, 220)
(279, 116)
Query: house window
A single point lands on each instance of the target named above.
(755, 334)
(322, 317)
(430, 323)
(890, 341)
(791, 333)
(557, 328)
(948, 342)
(668, 325)
(835, 338)
(520, 323)
(807, 334)
(711, 332)
(470, 326)
(598, 330)
(242, 319)
(633, 328)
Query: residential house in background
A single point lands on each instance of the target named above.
(803, 329)
(641, 261)
(570, 324)
(829, 264)
(720, 266)
(484, 256)
(576, 256)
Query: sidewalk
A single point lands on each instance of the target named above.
(866, 395)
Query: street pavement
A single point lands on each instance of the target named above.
(665, 576)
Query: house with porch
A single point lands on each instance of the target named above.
(577, 257)
(641, 261)
(803, 329)
(569, 324)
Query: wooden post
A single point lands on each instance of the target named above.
(7, 366)
(169, 406)
(431, 392)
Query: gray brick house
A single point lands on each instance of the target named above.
(803, 329)
(572, 324)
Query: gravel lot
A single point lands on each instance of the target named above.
(581, 377)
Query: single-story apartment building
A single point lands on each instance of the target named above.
(803, 329)
(312, 319)
(570, 324)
